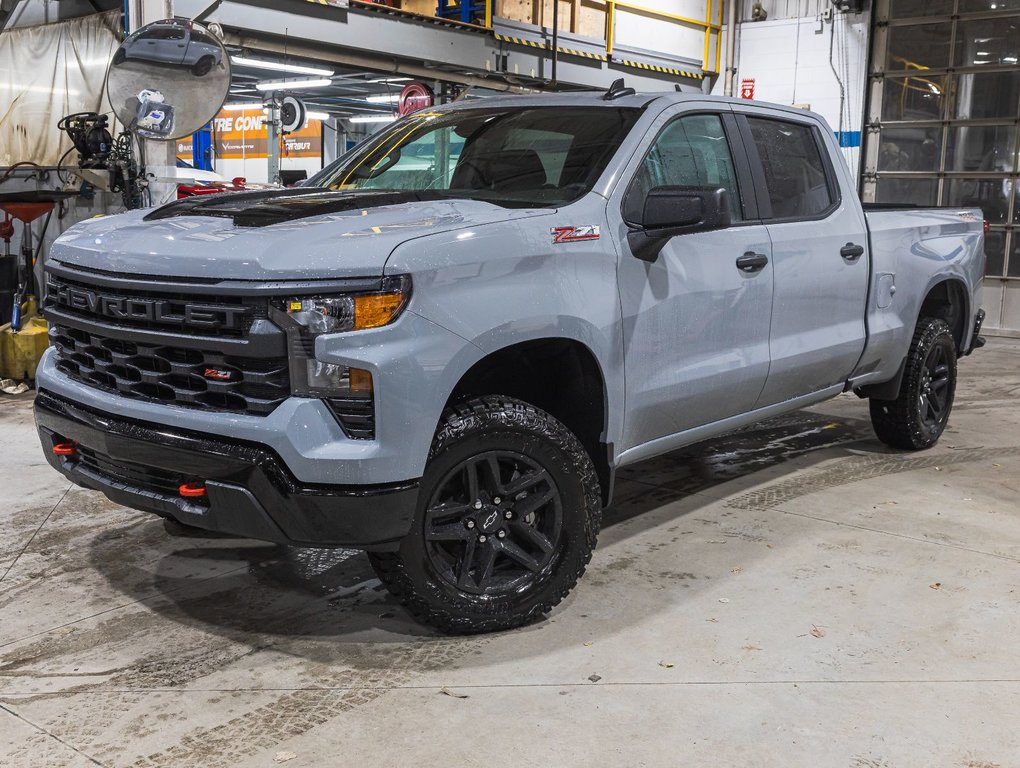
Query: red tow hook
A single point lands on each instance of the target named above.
(65, 449)
(192, 490)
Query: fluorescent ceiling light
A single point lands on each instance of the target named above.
(387, 98)
(373, 119)
(289, 85)
(246, 61)
(317, 115)
(243, 105)
(390, 80)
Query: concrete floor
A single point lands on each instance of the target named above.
(794, 595)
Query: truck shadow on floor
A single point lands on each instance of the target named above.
(266, 593)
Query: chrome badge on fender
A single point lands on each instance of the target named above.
(575, 234)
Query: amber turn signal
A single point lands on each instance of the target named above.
(360, 381)
(374, 310)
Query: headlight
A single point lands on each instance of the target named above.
(305, 317)
(349, 312)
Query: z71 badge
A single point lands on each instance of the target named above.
(575, 234)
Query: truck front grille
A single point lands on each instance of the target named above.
(178, 313)
(191, 378)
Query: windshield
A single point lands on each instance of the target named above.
(544, 156)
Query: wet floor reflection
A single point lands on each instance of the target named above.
(280, 591)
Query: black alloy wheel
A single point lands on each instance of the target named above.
(493, 523)
(933, 398)
(508, 514)
(918, 416)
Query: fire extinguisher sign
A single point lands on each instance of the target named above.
(747, 88)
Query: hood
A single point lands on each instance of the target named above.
(281, 235)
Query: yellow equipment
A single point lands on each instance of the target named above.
(20, 350)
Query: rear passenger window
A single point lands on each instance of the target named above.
(691, 152)
(795, 172)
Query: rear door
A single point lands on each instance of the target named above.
(695, 324)
(819, 254)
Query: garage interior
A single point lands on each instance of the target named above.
(793, 593)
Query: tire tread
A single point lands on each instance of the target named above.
(895, 421)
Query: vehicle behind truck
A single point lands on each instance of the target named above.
(441, 349)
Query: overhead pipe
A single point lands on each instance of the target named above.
(731, 48)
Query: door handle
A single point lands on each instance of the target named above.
(752, 262)
(851, 252)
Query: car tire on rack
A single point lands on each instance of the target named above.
(508, 515)
(918, 416)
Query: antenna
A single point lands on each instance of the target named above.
(618, 90)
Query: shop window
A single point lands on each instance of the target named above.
(982, 148)
(908, 9)
(919, 46)
(916, 97)
(986, 95)
(899, 191)
(990, 195)
(984, 6)
(995, 252)
(987, 42)
(909, 148)
(1013, 268)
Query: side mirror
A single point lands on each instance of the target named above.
(670, 211)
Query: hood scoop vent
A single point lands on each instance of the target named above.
(265, 208)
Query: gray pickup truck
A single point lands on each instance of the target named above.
(442, 348)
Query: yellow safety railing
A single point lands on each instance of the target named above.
(708, 25)
(711, 26)
(914, 83)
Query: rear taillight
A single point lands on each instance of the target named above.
(988, 227)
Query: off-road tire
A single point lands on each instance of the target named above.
(480, 427)
(203, 66)
(906, 422)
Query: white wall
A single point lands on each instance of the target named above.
(789, 60)
(785, 9)
(640, 31)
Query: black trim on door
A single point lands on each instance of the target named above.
(745, 178)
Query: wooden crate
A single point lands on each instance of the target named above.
(580, 17)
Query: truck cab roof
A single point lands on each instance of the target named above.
(598, 98)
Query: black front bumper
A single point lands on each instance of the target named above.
(249, 491)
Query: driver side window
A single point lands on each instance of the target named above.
(691, 151)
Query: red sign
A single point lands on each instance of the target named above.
(415, 96)
(747, 88)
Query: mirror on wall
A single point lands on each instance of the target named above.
(168, 79)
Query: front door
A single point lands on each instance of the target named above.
(695, 324)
